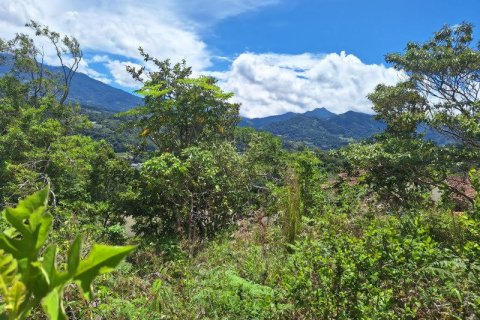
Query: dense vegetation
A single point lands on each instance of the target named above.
(228, 223)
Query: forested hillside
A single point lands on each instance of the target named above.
(84, 90)
(200, 218)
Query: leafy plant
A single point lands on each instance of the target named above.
(290, 205)
(27, 278)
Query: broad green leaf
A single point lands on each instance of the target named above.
(48, 265)
(16, 219)
(53, 278)
(102, 259)
(74, 255)
(42, 225)
(29, 220)
(53, 305)
(33, 204)
(40, 278)
(17, 247)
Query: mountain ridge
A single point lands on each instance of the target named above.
(89, 92)
(319, 127)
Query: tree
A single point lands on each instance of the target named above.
(441, 92)
(443, 86)
(33, 116)
(193, 195)
(31, 75)
(181, 111)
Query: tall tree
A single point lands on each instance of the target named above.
(28, 70)
(33, 117)
(181, 111)
(441, 90)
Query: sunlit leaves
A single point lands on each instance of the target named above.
(27, 279)
(443, 85)
(442, 93)
(102, 259)
(181, 111)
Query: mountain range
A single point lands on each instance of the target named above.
(317, 128)
(89, 92)
(97, 95)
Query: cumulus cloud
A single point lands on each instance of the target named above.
(270, 84)
(265, 84)
(120, 75)
(92, 73)
(166, 29)
(118, 27)
(99, 58)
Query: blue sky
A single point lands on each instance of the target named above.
(369, 28)
(275, 55)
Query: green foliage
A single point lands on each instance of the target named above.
(442, 87)
(475, 179)
(195, 194)
(419, 265)
(441, 92)
(226, 294)
(28, 278)
(213, 285)
(400, 171)
(290, 206)
(391, 269)
(106, 126)
(311, 178)
(214, 207)
(181, 111)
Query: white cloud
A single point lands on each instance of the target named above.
(120, 75)
(118, 27)
(94, 74)
(270, 84)
(265, 84)
(166, 29)
(99, 58)
(203, 13)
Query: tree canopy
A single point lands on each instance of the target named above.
(181, 111)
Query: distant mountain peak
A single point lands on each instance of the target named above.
(320, 113)
(319, 127)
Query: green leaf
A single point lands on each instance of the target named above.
(41, 281)
(8, 271)
(48, 265)
(42, 224)
(74, 255)
(53, 305)
(16, 219)
(29, 220)
(15, 297)
(102, 259)
(34, 204)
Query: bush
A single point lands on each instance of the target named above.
(392, 270)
